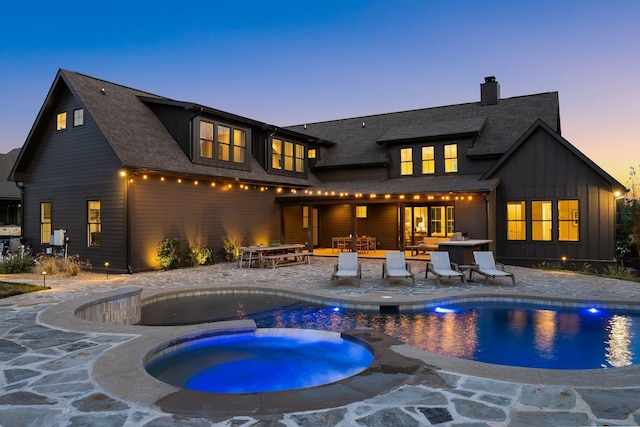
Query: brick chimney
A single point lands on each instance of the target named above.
(489, 91)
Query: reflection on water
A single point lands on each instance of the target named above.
(544, 325)
(618, 344)
(510, 334)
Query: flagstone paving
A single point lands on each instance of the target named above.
(47, 377)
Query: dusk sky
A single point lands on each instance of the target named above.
(292, 62)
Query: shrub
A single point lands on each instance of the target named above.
(17, 265)
(70, 266)
(618, 272)
(201, 255)
(168, 251)
(231, 251)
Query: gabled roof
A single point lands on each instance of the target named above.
(8, 189)
(137, 136)
(498, 127)
(539, 124)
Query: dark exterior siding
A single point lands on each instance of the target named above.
(196, 215)
(69, 168)
(471, 217)
(543, 169)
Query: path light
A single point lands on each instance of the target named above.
(44, 279)
(106, 266)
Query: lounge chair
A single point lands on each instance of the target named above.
(397, 266)
(441, 266)
(347, 266)
(486, 265)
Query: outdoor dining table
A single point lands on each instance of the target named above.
(262, 251)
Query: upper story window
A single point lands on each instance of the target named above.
(78, 117)
(206, 140)
(287, 155)
(311, 153)
(428, 160)
(451, 158)
(222, 142)
(406, 161)
(61, 121)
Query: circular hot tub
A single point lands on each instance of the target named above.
(263, 361)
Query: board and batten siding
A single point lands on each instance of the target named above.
(542, 169)
(69, 168)
(196, 215)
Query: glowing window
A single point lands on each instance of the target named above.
(276, 153)
(224, 143)
(568, 220)
(406, 161)
(541, 220)
(206, 140)
(428, 160)
(516, 221)
(361, 211)
(45, 222)
(299, 158)
(239, 145)
(451, 158)
(94, 223)
(61, 121)
(312, 153)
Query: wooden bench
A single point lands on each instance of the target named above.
(295, 258)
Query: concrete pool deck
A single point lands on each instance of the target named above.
(54, 375)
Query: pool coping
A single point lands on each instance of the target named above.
(122, 366)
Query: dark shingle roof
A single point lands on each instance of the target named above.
(140, 140)
(499, 127)
(8, 189)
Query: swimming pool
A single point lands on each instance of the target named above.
(265, 360)
(505, 333)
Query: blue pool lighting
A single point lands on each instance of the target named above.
(444, 310)
(593, 310)
(336, 309)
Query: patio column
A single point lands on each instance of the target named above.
(353, 226)
(401, 221)
(310, 223)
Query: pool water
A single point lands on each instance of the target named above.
(270, 360)
(514, 334)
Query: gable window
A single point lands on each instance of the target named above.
(428, 160)
(94, 223)
(516, 221)
(45, 222)
(406, 161)
(61, 121)
(568, 220)
(78, 117)
(206, 140)
(541, 220)
(451, 158)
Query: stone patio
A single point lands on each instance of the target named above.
(49, 374)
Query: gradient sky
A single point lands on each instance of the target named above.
(291, 62)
